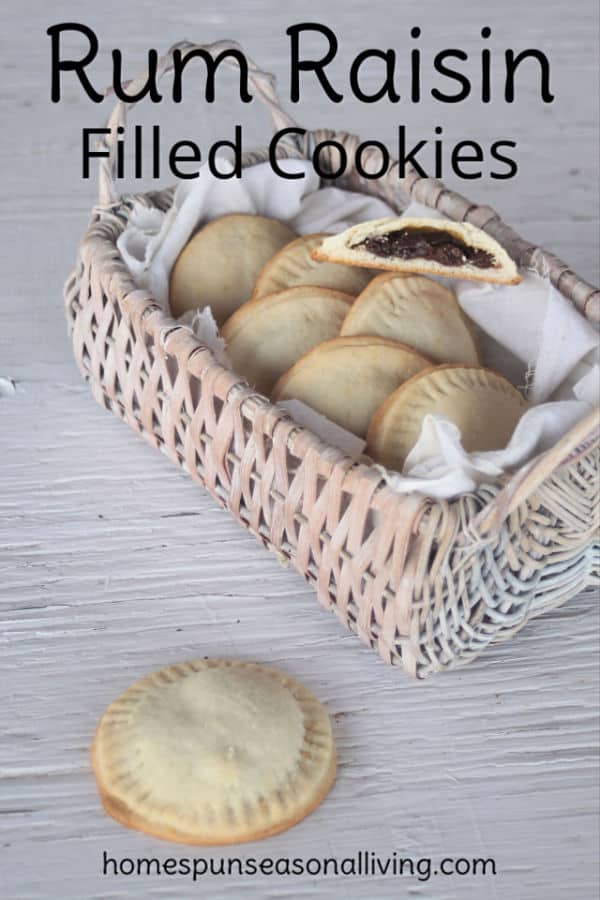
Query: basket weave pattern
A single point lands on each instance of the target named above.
(427, 583)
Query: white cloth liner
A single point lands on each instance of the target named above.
(528, 332)
(202, 322)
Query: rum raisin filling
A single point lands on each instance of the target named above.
(427, 243)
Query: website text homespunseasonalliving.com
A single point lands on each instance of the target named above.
(364, 863)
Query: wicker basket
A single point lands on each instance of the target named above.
(427, 583)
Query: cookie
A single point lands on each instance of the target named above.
(293, 265)
(213, 752)
(266, 336)
(484, 405)
(348, 378)
(429, 246)
(416, 311)
(220, 264)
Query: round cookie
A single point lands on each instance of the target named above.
(417, 311)
(213, 752)
(348, 378)
(293, 265)
(484, 405)
(219, 266)
(266, 336)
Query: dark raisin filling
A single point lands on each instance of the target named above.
(427, 243)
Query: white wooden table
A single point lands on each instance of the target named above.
(113, 563)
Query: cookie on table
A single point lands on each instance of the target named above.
(266, 336)
(213, 752)
(220, 264)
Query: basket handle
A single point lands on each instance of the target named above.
(578, 441)
(263, 84)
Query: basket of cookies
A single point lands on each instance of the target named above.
(379, 379)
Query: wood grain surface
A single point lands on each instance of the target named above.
(113, 563)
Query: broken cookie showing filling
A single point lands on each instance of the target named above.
(430, 246)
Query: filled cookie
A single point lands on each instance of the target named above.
(213, 752)
(266, 336)
(416, 311)
(220, 264)
(346, 379)
(484, 405)
(428, 246)
(293, 265)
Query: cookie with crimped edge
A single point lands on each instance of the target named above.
(293, 265)
(346, 379)
(267, 335)
(427, 246)
(219, 266)
(213, 751)
(417, 311)
(483, 404)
